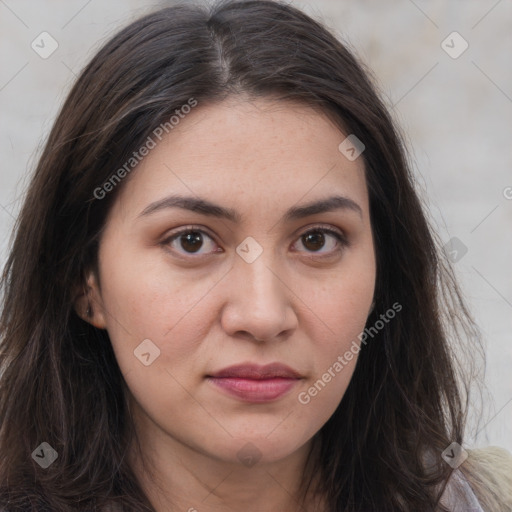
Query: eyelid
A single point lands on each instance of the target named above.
(186, 229)
(329, 228)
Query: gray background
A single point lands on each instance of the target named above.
(456, 114)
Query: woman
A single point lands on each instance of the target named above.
(223, 293)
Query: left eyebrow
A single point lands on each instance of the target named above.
(206, 207)
(322, 206)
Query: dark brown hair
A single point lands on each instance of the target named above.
(60, 382)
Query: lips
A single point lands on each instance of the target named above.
(256, 372)
(255, 383)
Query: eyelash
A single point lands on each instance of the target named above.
(339, 236)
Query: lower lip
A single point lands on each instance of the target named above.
(252, 390)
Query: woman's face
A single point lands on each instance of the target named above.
(195, 319)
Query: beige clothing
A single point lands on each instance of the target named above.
(486, 481)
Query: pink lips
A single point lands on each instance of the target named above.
(254, 383)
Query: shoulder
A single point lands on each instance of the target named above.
(494, 461)
(458, 495)
(488, 473)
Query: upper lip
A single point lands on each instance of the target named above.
(258, 372)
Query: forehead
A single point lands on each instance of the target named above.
(263, 152)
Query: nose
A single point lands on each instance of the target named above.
(259, 305)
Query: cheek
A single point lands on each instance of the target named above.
(341, 306)
(337, 317)
(145, 300)
(335, 359)
(156, 326)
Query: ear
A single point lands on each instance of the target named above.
(88, 303)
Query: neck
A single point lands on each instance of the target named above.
(175, 476)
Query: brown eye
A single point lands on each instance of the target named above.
(316, 239)
(191, 241)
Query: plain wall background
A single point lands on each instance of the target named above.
(456, 114)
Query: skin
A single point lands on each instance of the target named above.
(210, 309)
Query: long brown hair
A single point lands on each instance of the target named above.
(60, 382)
